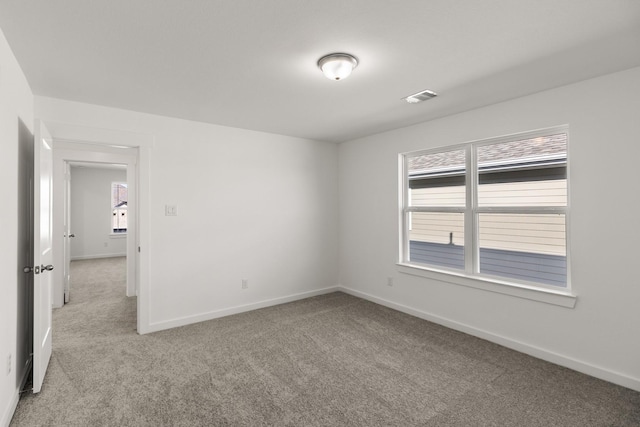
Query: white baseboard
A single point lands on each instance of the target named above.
(13, 404)
(81, 257)
(540, 353)
(188, 320)
(10, 410)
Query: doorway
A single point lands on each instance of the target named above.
(83, 228)
(96, 221)
(90, 144)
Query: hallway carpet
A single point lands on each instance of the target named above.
(332, 360)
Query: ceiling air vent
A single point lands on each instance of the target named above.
(420, 96)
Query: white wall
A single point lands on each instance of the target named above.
(251, 205)
(16, 111)
(90, 209)
(599, 335)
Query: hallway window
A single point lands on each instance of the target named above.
(119, 207)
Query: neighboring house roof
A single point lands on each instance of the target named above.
(539, 150)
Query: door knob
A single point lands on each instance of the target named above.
(44, 268)
(72, 235)
(27, 269)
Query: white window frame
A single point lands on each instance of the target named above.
(471, 275)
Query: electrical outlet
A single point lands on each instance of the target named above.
(389, 281)
(245, 284)
(8, 364)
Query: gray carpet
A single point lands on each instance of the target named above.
(333, 360)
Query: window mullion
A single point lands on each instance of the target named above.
(522, 209)
(451, 209)
(405, 202)
(470, 233)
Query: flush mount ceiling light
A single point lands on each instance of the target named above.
(420, 96)
(337, 66)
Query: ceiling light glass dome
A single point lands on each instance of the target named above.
(337, 66)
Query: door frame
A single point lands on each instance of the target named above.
(66, 245)
(24, 335)
(64, 154)
(93, 143)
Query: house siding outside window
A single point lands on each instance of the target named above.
(119, 196)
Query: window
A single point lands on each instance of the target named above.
(119, 207)
(494, 209)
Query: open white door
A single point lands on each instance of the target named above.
(42, 252)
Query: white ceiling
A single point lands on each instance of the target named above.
(252, 63)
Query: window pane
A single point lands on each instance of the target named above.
(530, 172)
(119, 196)
(119, 223)
(437, 179)
(528, 247)
(437, 239)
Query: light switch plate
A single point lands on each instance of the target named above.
(170, 210)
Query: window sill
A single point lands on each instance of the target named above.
(117, 235)
(549, 296)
